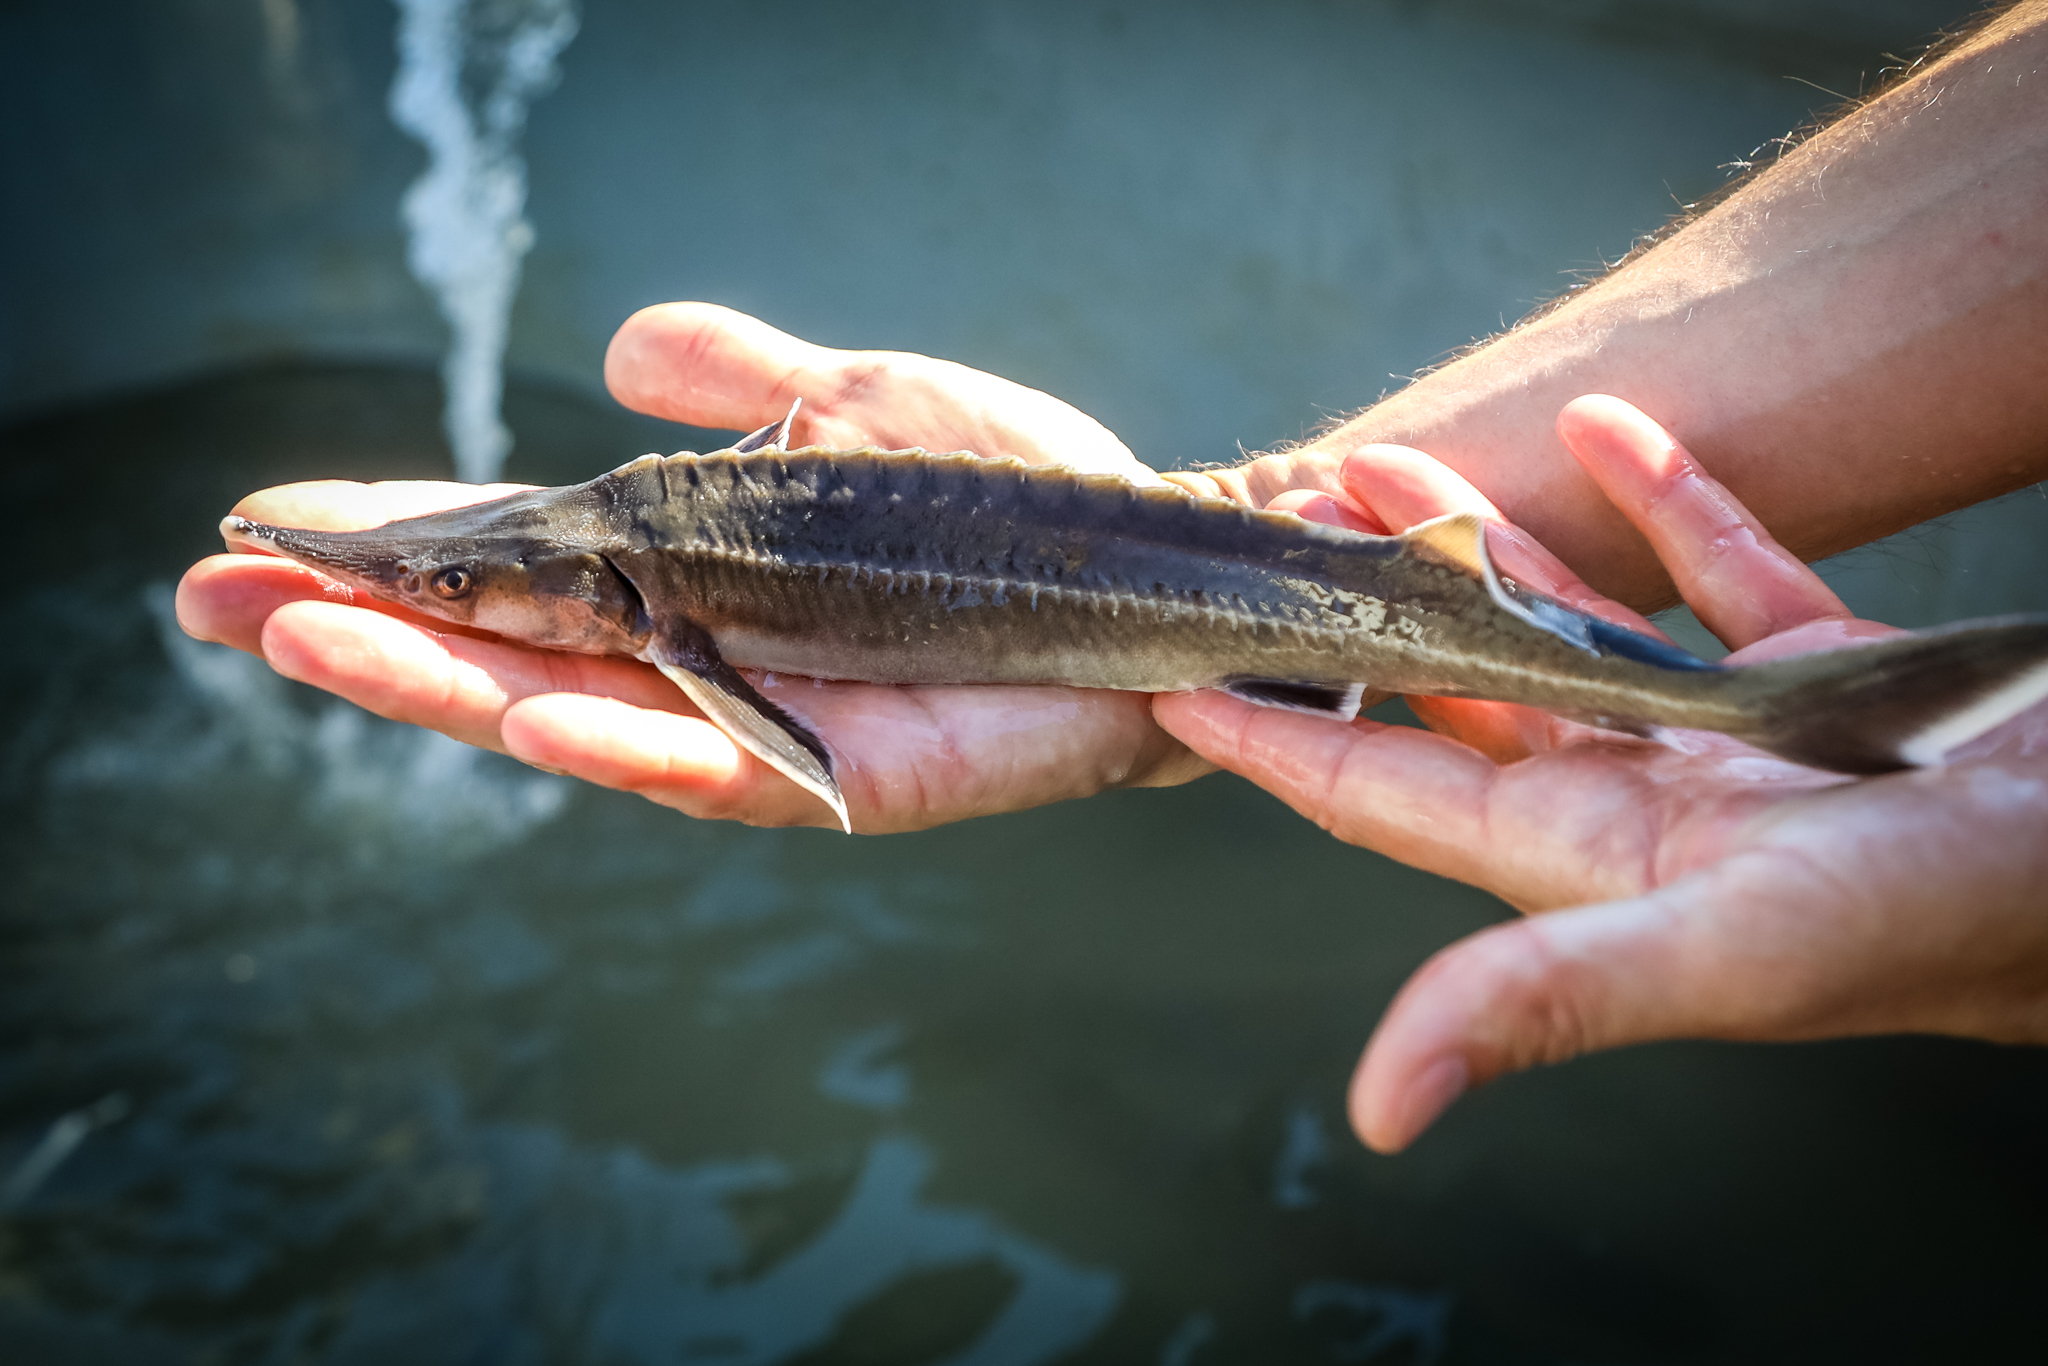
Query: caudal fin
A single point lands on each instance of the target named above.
(1899, 703)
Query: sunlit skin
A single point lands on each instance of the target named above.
(1745, 898)
(1852, 341)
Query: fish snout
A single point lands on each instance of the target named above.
(241, 533)
(350, 556)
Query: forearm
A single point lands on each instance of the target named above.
(1853, 342)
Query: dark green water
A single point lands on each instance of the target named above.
(429, 1058)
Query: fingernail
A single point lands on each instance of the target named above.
(1430, 1094)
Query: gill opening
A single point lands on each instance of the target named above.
(643, 624)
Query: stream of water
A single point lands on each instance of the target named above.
(468, 71)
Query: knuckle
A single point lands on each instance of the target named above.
(1537, 1004)
(858, 379)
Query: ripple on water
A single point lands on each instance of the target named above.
(339, 988)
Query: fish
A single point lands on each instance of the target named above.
(910, 567)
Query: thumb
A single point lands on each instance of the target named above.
(711, 366)
(714, 367)
(1675, 963)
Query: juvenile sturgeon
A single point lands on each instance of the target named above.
(911, 567)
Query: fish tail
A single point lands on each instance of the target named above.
(1897, 703)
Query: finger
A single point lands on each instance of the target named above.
(227, 598)
(1402, 486)
(1740, 582)
(454, 684)
(1825, 633)
(681, 762)
(1502, 731)
(1538, 991)
(711, 366)
(1313, 506)
(893, 398)
(907, 758)
(1265, 480)
(1750, 947)
(344, 505)
(1578, 825)
(1407, 793)
(699, 363)
(1858, 908)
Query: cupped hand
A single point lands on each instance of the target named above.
(1699, 889)
(908, 757)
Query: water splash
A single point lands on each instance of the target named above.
(58, 1143)
(381, 792)
(1306, 1148)
(856, 1073)
(467, 71)
(1388, 1316)
(344, 988)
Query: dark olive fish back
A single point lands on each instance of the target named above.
(908, 567)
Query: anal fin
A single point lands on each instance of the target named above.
(691, 660)
(1337, 701)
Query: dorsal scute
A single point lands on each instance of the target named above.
(637, 464)
(1057, 495)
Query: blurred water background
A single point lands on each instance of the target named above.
(325, 1040)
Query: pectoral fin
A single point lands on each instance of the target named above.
(691, 660)
(1337, 701)
(1459, 538)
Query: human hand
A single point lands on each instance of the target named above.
(910, 757)
(1696, 890)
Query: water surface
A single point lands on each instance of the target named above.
(427, 1057)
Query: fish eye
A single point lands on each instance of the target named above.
(453, 582)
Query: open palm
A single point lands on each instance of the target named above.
(909, 757)
(1698, 888)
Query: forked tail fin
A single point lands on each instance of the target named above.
(1899, 703)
